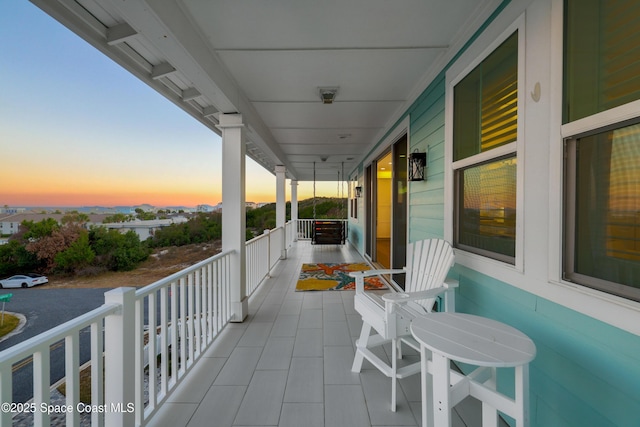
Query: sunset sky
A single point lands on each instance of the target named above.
(78, 130)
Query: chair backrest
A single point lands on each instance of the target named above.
(428, 262)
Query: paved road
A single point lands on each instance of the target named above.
(44, 309)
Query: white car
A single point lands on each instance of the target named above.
(23, 281)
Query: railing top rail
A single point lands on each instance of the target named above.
(26, 348)
(142, 292)
(323, 219)
(258, 237)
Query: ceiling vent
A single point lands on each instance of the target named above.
(328, 94)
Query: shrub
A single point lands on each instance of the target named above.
(117, 251)
(77, 256)
(15, 258)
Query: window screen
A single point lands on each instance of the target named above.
(486, 103)
(602, 56)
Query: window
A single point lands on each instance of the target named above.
(353, 199)
(486, 196)
(602, 245)
(602, 157)
(486, 103)
(602, 56)
(485, 133)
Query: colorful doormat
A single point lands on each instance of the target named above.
(334, 277)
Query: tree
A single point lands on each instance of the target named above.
(14, 259)
(37, 230)
(118, 217)
(77, 256)
(117, 251)
(202, 228)
(130, 253)
(75, 217)
(47, 247)
(173, 235)
(262, 218)
(144, 216)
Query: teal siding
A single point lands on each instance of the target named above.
(426, 201)
(356, 230)
(356, 236)
(585, 373)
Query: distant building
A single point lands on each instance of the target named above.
(11, 211)
(205, 208)
(96, 210)
(144, 229)
(217, 208)
(127, 210)
(145, 207)
(11, 223)
(180, 209)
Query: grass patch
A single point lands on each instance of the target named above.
(85, 386)
(10, 323)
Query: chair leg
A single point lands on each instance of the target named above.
(362, 342)
(394, 373)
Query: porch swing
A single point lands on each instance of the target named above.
(327, 231)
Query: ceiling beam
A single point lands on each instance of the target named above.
(165, 24)
(209, 111)
(190, 94)
(332, 49)
(161, 70)
(120, 34)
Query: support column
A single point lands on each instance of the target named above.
(119, 354)
(294, 208)
(234, 218)
(281, 206)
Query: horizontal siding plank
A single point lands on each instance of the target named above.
(603, 333)
(574, 366)
(428, 123)
(425, 229)
(427, 212)
(429, 198)
(555, 406)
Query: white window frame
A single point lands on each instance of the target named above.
(477, 53)
(613, 117)
(612, 309)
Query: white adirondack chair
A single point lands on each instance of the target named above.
(428, 262)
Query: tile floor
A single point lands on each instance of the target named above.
(289, 364)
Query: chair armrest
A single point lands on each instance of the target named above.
(447, 289)
(451, 283)
(402, 297)
(367, 273)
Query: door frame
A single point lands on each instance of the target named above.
(400, 131)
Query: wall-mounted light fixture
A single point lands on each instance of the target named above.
(328, 94)
(358, 192)
(417, 164)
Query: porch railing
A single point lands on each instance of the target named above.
(164, 328)
(263, 253)
(38, 349)
(178, 316)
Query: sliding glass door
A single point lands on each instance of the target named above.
(400, 208)
(387, 204)
(384, 185)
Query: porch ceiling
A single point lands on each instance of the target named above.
(268, 59)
